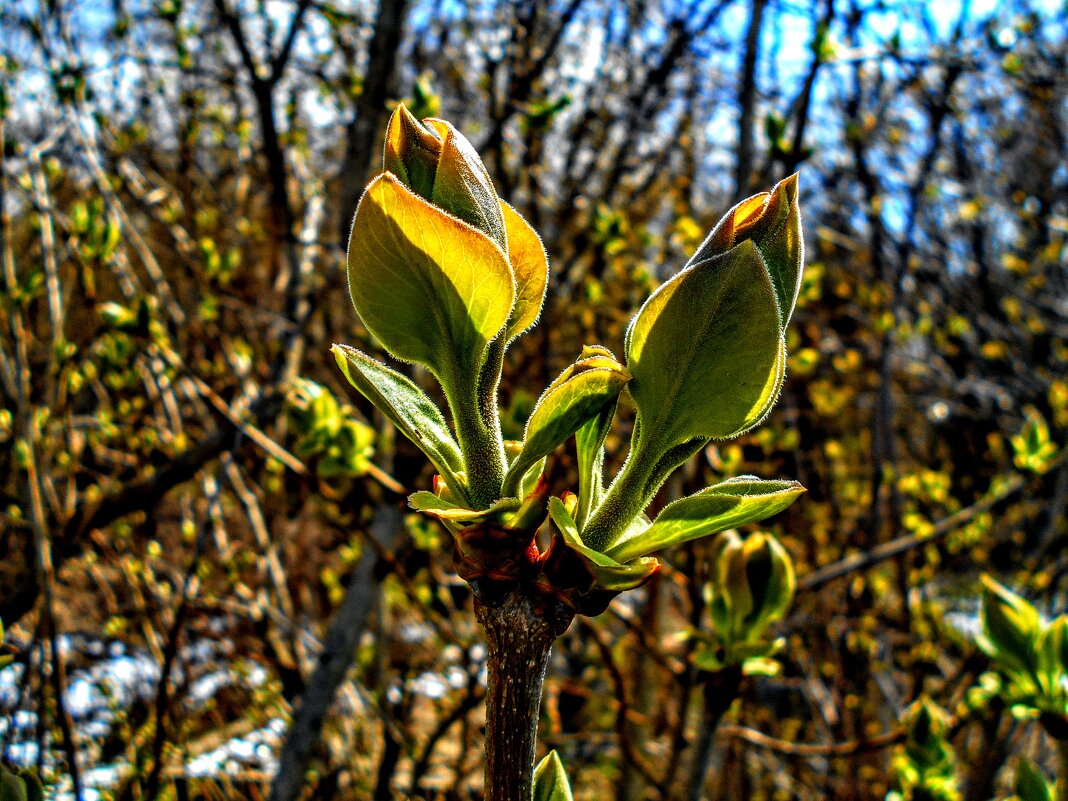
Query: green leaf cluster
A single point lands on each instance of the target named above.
(1031, 656)
(446, 275)
(751, 588)
(926, 765)
(1033, 449)
(327, 431)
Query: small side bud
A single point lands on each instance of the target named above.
(753, 587)
(770, 575)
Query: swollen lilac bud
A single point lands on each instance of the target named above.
(439, 164)
(412, 151)
(753, 585)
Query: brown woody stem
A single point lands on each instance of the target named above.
(720, 691)
(520, 634)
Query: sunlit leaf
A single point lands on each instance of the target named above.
(731, 503)
(706, 351)
(431, 288)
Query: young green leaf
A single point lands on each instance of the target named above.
(706, 352)
(1010, 628)
(608, 573)
(431, 288)
(431, 504)
(550, 781)
(408, 408)
(589, 449)
(580, 393)
(1031, 785)
(731, 503)
(530, 266)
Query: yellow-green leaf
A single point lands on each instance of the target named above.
(431, 288)
(530, 266)
(745, 499)
(706, 351)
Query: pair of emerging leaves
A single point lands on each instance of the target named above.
(751, 587)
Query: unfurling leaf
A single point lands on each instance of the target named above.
(408, 408)
(607, 573)
(432, 289)
(550, 781)
(581, 392)
(734, 502)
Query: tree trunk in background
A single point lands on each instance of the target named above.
(363, 149)
(743, 170)
(339, 651)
